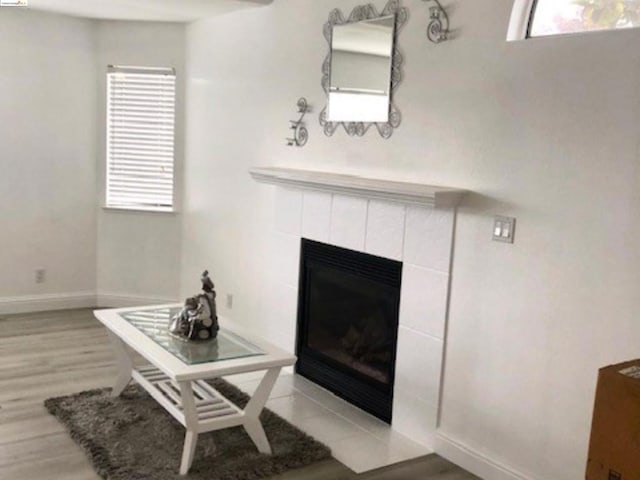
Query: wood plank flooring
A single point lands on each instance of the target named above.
(58, 353)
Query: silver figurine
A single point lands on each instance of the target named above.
(198, 319)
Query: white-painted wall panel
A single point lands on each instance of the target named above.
(544, 130)
(47, 152)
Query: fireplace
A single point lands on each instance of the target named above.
(408, 222)
(348, 308)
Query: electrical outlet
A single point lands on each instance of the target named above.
(229, 302)
(41, 275)
(504, 229)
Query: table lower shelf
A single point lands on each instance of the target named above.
(213, 410)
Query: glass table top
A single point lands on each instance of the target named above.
(154, 323)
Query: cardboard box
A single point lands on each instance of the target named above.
(614, 450)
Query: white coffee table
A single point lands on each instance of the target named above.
(176, 371)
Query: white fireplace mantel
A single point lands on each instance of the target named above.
(411, 223)
(352, 185)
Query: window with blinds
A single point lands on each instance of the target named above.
(140, 138)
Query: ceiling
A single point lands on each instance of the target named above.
(145, 10)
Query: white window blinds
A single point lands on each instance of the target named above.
(140, 138)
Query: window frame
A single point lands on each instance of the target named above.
(532, 15)
(140, 206)
(521, 16)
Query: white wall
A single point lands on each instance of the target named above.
(138, 252)
(543, 130)
(47, 146)
(52, 112)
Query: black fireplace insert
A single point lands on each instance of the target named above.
(348, 308)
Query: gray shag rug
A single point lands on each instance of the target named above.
(132, 437)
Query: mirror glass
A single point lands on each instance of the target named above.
(360, 78)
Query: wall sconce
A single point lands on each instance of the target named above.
(438, 28)
(300, 133)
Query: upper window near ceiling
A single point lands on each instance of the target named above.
(140, 138)
(538, 18)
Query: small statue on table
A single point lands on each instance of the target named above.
(198, 319)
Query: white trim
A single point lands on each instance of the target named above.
(473, 461)
(356, 186)
(64, 301)
(141, 70)
(122, 300)
(138, 210)
(45, 302)
(519, 21)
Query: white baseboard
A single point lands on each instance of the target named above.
(473, 461)
(45, 302)
(121, 300)
(64, 301)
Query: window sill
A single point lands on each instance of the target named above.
(139, 210)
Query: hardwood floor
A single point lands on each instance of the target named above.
(58, 353)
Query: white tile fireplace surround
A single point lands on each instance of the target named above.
(410, 223)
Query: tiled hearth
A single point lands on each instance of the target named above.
(421, 237)
(356, 439)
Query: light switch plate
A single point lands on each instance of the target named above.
(504, 229)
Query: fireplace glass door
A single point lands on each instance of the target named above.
(348, 324)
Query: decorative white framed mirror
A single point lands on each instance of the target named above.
(362, 69)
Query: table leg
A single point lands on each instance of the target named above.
(252, 411)
(124, 364)
(191, 420)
